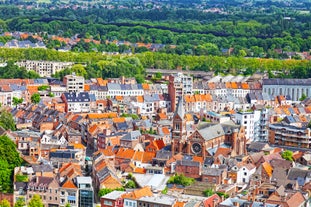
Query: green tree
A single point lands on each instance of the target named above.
(35, 201)
(5, 203)
(43, 88)
(79, 70)
(222, 194)
(6, 120)
(130, 184)
(51, 94)
(180, 180)
(17, 101)
(105, 191)
(208, 192)
(9, 159)
(287, 155)
(67, 205)
(303, 97)
(35, 98)
(20, 203)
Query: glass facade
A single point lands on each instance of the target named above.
(86, 198)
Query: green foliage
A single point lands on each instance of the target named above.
(43, 87)
(13, 71)
(35, 98)
(21, 178)
(17, 101)
(133, 116)
(67, 205)
(208, 192)
(5, 203)
(51, 94)
(222, 194)
(20, 203)
(165, 190)
(6, 120)
(130, 184)
(303, 97)
(105, 191)
(35, 201)
(9, 159)
(287, 155)
(180, 180)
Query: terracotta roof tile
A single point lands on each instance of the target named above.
(87, 87)
(223, 151)
(92, 129)
(162, 116)
(245, 86)
(140, 99)
(139, 170)
(136, 194)
(165, 130)
(145, 86)
(102, 116)
(125, 153)
(159, 144)
(118, 120)
(198, 159)
(268, 168)
(69, 184)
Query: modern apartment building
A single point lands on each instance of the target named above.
(86, 191)
(288, 135)
(248, 120)
(179, 85)
(44, 68)
(74, 83)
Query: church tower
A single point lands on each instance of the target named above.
(179, 133)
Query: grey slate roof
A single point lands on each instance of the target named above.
(187, 163)
(212, 132)
(280, 81)
(133, 135)
(211, 171)
(77, 97)
(180, 108)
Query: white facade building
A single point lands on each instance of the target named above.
(45, 68)
(74, 83)
(248, 120)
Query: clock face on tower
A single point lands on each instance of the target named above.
(196, 148)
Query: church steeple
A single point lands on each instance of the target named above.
(179, 133)
(180, 109)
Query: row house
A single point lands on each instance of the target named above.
(77, 102)
(46, 187)
(115, 89)
(100, 92)
(261, 99)
(197, 103)
(150, 104)
(58, 90)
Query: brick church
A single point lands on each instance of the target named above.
(207, 137)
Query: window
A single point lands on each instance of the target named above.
(245, 173)
(107, 203)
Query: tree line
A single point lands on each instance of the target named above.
(258, 34)
(109, 66)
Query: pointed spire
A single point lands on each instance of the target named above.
(180, 108)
